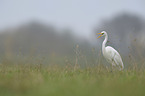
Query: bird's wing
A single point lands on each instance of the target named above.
(111, 52)
(114, 56)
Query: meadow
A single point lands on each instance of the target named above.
(76, 75)
(55, 80)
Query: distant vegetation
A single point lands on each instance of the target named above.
(37, 40)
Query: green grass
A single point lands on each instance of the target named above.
(36, 80)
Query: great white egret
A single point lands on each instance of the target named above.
(110, 54)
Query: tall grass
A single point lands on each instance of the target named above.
(77, 75)
(39, 80)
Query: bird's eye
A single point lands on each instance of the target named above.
(102, 33)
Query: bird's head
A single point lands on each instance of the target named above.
(103, 33)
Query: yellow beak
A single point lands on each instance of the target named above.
(100, 35)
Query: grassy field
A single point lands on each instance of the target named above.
(38, 80)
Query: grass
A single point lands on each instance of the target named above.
(38, 80)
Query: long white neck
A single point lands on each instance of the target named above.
(104, 43)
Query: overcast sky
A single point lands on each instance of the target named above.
(79, 15)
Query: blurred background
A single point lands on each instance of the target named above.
(64, 31)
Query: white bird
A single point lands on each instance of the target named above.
(110, 54)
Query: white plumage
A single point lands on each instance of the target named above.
(110, 54)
